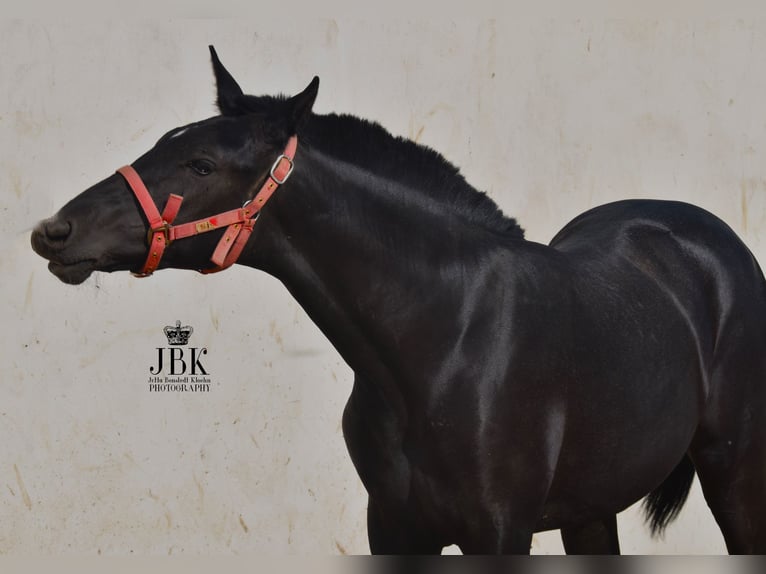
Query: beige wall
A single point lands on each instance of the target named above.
(550, 117)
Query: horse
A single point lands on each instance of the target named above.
(501, 386)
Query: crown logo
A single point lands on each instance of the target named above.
(178, 335)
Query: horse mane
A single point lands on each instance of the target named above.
(369, 145)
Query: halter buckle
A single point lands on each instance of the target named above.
(276, 166)
(164, 229)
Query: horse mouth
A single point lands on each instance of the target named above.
(73, 273)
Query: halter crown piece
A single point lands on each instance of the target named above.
(238, 222)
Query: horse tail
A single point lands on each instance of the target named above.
(664, 503)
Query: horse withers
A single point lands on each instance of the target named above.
(502, 387)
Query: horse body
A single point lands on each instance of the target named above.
(691, 351)
(478, 397)
(483, 360)
(502, 387)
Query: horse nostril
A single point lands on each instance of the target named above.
(57, 230)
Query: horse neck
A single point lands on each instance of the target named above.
(362, 255)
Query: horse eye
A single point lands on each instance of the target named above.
(201, 166)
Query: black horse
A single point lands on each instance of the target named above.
(502, 387)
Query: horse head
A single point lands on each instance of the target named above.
(214, 166)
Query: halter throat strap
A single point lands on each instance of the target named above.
(238, 222)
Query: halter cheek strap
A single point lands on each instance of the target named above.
(238, 222)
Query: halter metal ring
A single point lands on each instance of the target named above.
(256, 215)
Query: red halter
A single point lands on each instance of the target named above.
(239, 222)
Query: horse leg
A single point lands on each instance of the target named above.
(507, 526)
(393, 532)
(729, 450)
(596, 537)
(510, 539)
(733, 481)
(373, 436)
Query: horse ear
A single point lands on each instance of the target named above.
(229, 93)
(300, 105)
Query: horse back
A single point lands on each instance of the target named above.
(691, 255)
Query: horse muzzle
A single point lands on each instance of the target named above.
(51, 240)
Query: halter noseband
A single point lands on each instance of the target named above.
(239, 222)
